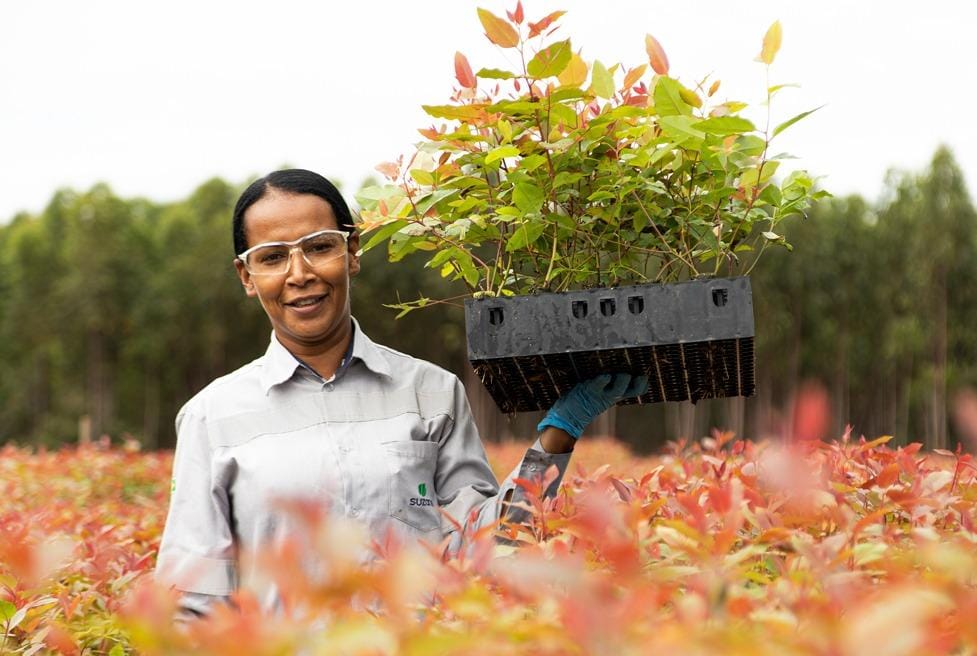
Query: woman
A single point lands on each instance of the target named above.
(328, 415)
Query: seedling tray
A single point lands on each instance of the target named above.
(694, 340)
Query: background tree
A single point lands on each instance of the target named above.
(120, 309)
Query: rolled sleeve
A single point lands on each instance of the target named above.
(464, 480)
(467, 488)
(197, 552)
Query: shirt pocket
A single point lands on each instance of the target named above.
(413, 499)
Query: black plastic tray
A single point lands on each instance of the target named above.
(694, 340)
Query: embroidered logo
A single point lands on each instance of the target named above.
(422, 490)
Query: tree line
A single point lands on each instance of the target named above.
(114, 311)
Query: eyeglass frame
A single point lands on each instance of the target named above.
(292, 246)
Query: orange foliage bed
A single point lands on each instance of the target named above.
(716, 547)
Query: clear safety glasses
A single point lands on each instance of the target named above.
(272, 258)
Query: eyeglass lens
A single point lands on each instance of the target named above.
(317, 249)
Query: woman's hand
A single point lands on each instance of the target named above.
(573, 411)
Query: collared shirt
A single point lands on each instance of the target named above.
(389, 441)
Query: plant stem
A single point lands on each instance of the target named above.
(763, 247)
(652, 223)
(549, 270)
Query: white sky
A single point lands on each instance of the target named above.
(155, 98)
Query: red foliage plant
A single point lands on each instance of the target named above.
(717, 546)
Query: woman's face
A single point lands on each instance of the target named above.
(308, 308)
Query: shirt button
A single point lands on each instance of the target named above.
(532, 467)
(355, 512)
(329, 387)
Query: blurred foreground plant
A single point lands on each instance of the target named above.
(720, 546)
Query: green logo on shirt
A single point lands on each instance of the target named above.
(422, 489)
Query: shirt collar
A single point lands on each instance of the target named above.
(365, 350)
(280, 365)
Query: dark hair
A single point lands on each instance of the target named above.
(292, 181)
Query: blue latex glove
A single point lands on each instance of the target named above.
(574, 410)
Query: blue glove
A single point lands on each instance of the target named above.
(574, 410)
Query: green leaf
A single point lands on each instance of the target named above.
(565, 178)
(441, 257)
(550, 61)
(463, 205)
(786, 124)
(769, 168)
(494, 74)
(749, 178)
(384, 233)
(531, 162)
(725, 125)
(514, 107)
(668, 98)
(435, 197)
(777, 87)
(750, 144)
(505, 129)
(501, 152)
(526, 235)
(468, 269)
(771, 194)
(565, 115)
(680, 128)
(568, 93)
(528, 197)
(598, 196)
(7, 610)
(368, 196)
(422, 177)
(455, 112)
(459, 229)
(868, 552)
(601, 81)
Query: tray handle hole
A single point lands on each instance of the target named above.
(579, 309)
(608, 307)
(720, 297)
(636, 304)
(496, 316)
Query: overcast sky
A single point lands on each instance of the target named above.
(155, 98)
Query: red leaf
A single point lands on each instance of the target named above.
(463, 72)
(632, 76)
(888, 475)
(812, 410)
(656, 55)
(390, 170)
(535, 29)
(517, 15)
(623, 490)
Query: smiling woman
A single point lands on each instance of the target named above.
(306, 297)
(328, 417)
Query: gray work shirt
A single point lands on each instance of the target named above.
(389, 441)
